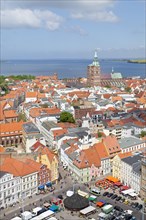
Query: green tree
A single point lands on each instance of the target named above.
(45, 105)
(67, 117)
(128, 89)
(99, 134)
(143, 133)
(22, 117)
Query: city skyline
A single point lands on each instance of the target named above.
(72, 29)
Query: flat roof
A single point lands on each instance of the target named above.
(87, 210)
(129, 141)
(30, 128)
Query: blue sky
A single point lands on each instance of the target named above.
(38, 29)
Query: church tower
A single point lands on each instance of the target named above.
(93, 72)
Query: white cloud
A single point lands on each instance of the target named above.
(16, 18)
(100, 16)
(94, 10)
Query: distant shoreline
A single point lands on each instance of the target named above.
(137, 61)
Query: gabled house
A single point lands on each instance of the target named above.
(48, 158)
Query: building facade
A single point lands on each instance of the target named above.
(11, 134)
(143, 178)
(10, 189)
(93, 72)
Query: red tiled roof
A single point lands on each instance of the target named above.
(16, 167)
(11, 127)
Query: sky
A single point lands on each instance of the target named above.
(58, 29)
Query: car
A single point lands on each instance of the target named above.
(109, 195)
(60, 196)
(118, 208)
(111, 217)
(132, 203)
(114, 196)
(139, 207)
(135, 205)
(122, 200)
(128, 217)
(105, 193)
(118, 198)
(126, 202)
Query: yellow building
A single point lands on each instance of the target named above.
(47, 157)
(116, 164)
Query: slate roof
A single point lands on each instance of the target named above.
(132, 159)
(2, 173)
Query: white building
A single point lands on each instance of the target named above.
(10, 189)
(130, 172)
(132, 143)
(28, 176)
(127, 131)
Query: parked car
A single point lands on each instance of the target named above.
(109, 195)
(118, 208)
(126, 202)
(105, 193)
(60, 196)
(135, 205)
(114, 196)
(118, 198)
(122, 200)
(139, 207)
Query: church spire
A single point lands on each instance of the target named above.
(95, 61)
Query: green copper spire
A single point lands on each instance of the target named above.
(95, 61)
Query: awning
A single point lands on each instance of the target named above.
(99, 204)
(124, 188)
(49, 184)
(41, 187)
(112, 179)
(54, 208)
(118, 184)
(91, 198)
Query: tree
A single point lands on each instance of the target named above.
(45, 105)
(67, 117)
(99, 134)
(22, 117)
(143, 133)
(128, 89)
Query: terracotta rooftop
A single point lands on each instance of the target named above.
(16, 167)
(11, 127)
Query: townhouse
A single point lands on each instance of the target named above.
(49, 158)
(131, 171)
(10, 189)
(116, 165)
(44, 174)
(29, 130)
(28, 184)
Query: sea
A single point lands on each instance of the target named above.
(69, 68)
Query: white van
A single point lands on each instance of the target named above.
(26, 215)
(35, 211)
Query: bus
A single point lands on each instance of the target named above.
(44, 215)
(88, 211)
(95, 191)
(82, 193)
